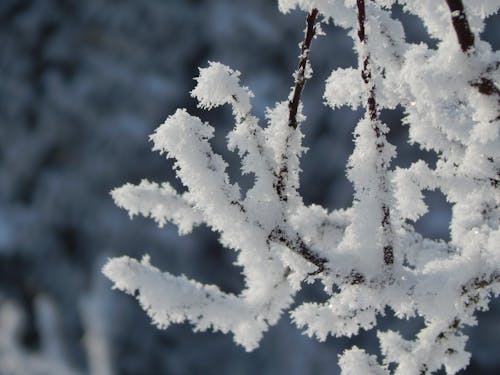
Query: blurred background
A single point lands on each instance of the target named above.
(82, 85)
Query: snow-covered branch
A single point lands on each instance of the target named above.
(369, 257)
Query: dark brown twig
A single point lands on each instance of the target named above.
(461, 25)
(361, 20)
(300, 79)
(299, 247)
(293, 103)
(296, 244)
(366, 73)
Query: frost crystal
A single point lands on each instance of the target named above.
(368, 257)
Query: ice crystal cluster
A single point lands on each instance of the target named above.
(368, 257)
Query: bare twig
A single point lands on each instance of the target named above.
(293, 103)
(300, 79)
(461, 25)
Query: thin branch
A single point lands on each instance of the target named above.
(300, 79)
(298, 246)
(478, 283)
(361, 21)
(470, 289)
(293, 103)
(371, 104)
(461, 25)
(366, 73)
(387, 230)
(466, 40)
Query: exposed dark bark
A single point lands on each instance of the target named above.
(386, 225)
(293, 103)
(461, 25)
(300, 79)
(361, 20)
(299, 247)
(487, 87)
(281, 181)
(355, 278)
(366, 73)
(480, 282)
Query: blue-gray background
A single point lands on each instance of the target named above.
(82, 85)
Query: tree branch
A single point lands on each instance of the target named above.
(300, 79)
(371, 104)
(298, 246)
(366, 73)
(293, 103)
(466, 40)
(461, 25)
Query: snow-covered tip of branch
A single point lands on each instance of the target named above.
(410, 182)
(356, 361)
(217, 85)
(185, 138)
(159, 202)
(436, 345)
(340, 90)
(332, 318)
(175, 299)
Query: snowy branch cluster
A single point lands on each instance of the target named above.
(368, 257)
